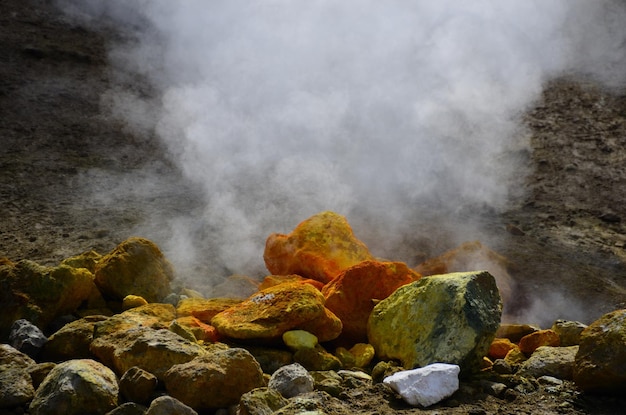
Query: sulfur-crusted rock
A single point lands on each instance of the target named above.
(137, 267)
(16, 387)
(271, 312)
(317, 358)
(600, 364)
(152, 350)
(550, 361)
(325, 327)
(500, 347)
(156, 315)
(40, 294)
(201, 331)
(445, 318)
(87, 260)
(318, 248)
(137, 385)
(204, 309)
(132, 301)
(529, 343)
(72, 340)
(299, 339)
(352, 294)
(76, 387)
(271, 280)
(214, 380)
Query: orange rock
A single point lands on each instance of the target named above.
(325, 327)
(500, 347)
(204, 309)
(354, 292)
(200, 330)
(529, 343)
(272, 280)
(271, 312)
(318, 248)
(471, 256)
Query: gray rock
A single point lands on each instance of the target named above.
(26, 337)
(448, 318)
(16, 387)
(76, 387)
(568, 331)
(550, 361)
(291, 380)
(166, 405)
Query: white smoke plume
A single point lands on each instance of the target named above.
(393, 113)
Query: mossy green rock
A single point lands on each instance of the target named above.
(449, 318)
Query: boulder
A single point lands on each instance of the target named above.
(214, 380)
(291, 380)
(427, 385)
(152, 350)
(600, 364)
(471, 256)
(166, 405)
(156, 315)
(204, 309)
(11, 357)
(41, 294)
(449, 318)
(318, 248)
(138, 385)
(72, 340)
(137, 267)
(550, 361)
(26, 337)
(16, 387)
(261, 401)
(273, 311)
(529, 343)
(352, 294)
(76, 387)
(568, 331)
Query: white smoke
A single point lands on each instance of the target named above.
(381, 111)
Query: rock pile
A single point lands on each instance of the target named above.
(104, 334)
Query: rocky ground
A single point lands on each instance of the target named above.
(565, 238)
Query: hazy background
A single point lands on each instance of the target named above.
(404, 116)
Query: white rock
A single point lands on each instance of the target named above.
(291, 380)
(427, 385)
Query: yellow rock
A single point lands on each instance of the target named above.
(299, 339)
(132, 301)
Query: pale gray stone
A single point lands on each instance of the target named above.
(291, 380)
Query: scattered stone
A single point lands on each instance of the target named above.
(214, 380)
(204, 309)
(328, 381)
(314, 403)
(318, 248)
(76, 387)
(360, 355)
(568, 331)
(137, 385)
(352, 294)
(500, 347)
(72, 340)
(549, 381)
(550, 361)
(515, 358)
(26, 337)
(299, 339)
(496, 389)
(16, 387)
(166, 405)
(132, 301)
(445, 318)
(271, 359)
(355, 378)
(317, 359)
(601, 359)
(271, 312)
(261, 401)
(40, 294)
(529, 343)
(384, 369)
(515, 332)
(502, 367)
(153, 350)
(291, 380)
(427, 385)
(137, 267)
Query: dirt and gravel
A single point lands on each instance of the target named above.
(565, 237)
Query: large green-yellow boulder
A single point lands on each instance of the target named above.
(449, 318)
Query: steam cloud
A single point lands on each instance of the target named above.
(390, 113)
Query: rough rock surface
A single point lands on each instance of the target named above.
(214, 380)
(166, 405)
(557, 362)
(16, 387)
(72, 340)
(291, 380)
(137, 385)
(261, 401)
(76, 387)
(275, 310)
(529, 343)
(426, 385)
(352, 294)
(135, 267)
(449, 318)
(318, 248)
(568, 331)
(204, 309)
(152, 350)
(27, 338)
(600, 363)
